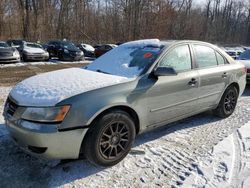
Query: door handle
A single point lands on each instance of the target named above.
(192, 82)
(224, 75)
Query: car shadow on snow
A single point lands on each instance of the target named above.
(22, 170)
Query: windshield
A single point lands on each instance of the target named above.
(33, 45)
(3, 45)
(128, 60)
(68, 45)
(245, 55)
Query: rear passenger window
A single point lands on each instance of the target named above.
(179, 58)
(205, 56)
(220, 59)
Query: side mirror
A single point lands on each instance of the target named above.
(165, 71)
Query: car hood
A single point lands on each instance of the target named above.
(8, 49)
(245, 62)
(48, 89)
(33, 50)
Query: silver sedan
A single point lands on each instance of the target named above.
(98, 110)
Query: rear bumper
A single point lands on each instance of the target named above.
(45, 141)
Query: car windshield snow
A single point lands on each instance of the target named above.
(128, 60)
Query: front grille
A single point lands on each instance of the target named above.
(39, 53)
(11, 107)
(6, 54)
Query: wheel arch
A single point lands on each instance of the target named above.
(236, 85)
(133, 114)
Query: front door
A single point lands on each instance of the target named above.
(174, 96)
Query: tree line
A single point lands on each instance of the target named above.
(112, 21)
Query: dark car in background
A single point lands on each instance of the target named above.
(33, 52)
(99, 51)
(88, 50)
(8, 54)
(15, 43)
(64, 50)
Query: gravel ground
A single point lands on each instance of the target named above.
(11, 74)
(165, 157)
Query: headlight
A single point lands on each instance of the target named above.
(66, 51)
(16, 53)
(48, 114)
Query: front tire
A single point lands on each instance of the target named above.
(227, 103)
(110, 139)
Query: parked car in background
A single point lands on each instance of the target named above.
(245, 59)
(99, 51)
(97, 46)
(234, 52)
(99, 109)
(8, 54)
(65, 51)
(33, 52)
(88, 50)
(15, 43)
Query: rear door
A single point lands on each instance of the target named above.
(174, 96)
(214, 74)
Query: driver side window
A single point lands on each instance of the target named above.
(179, 58)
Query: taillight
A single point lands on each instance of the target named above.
(248, 70)
(245, 70)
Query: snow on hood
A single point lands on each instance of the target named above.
(245, 62)
(34, 50)
(48, 89)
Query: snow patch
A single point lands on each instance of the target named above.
(50, 88)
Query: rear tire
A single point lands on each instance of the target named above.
(227, 103)
(109, 139)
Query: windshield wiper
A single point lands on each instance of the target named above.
(98, 70)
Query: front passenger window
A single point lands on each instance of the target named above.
(179, 58)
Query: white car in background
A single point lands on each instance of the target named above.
(234, 52)
(33, 52)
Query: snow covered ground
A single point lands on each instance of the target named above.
(201, 151)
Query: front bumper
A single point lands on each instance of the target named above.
(45, 141)
(36, 57)
(11, 59)
(72, 57)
